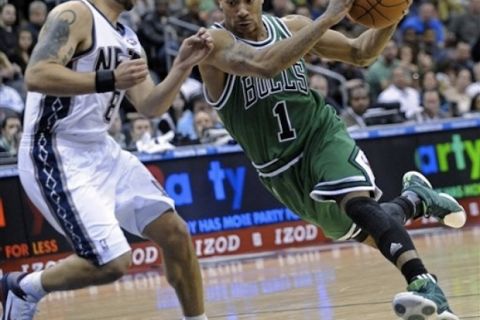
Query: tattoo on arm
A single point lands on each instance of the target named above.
(237, 54)
(54, 36)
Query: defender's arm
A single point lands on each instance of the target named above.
(66, 29)
(66, 32)
(154, 100)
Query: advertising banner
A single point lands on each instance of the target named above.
(229, 212)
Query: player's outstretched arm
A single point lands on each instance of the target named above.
(68, 31)
(361, 51)
(235, 57)
(153, 100)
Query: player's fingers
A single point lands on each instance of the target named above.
(140, 74)
(201, 31)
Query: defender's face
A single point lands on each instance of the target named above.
(242, 17)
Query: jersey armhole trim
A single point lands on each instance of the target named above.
(227, 91)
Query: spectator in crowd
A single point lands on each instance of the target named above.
(208, 130)
(168, 121)
(408, 36)
(8, 30)
(474, 88)
(11, 75)
(400, 91)
(359, 101)
(426, 19)
(431, 108)
(429, 82)
(140, 128)
(318, 7)
(203, 121)
(214, 15)
(9, 97)
(407, 58)
(429, 45)
(457, 94)
(380, 71)
(282, 8)
(116, 131)
(448, 8)
(193, 15)
(347, 70)
(303, 10)
(320, 83)
(465, 27)
(37, 14)
(425, 62)
(11, 134)
(476, 51)
(23, 49)
(186, 123)
(151, 34)
(474, 107)
(462, 57)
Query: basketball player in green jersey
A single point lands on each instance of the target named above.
(255, 77)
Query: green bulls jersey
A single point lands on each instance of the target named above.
(272, 119)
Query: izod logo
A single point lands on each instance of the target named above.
(3, 223)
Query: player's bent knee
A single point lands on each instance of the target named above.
(116, 268)
(177, 238)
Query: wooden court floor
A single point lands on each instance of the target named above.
(336, 282)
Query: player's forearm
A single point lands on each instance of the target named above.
(57, 80)
(163, 95)
(371, 43)
(285, 53)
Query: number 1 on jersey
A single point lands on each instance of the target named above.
(286, 131)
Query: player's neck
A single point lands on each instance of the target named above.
(109, 8)
(259, 34)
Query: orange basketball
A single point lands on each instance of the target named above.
(378, 13)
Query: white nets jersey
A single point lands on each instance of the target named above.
(84, 117)
(84, 184)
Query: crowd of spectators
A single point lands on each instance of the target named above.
(430, 69)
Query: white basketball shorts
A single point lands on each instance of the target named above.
(87, 191)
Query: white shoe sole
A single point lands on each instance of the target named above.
(410, 306)
(454, 220)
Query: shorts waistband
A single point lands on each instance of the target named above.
(277, 166)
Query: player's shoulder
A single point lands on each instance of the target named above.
(296, 22)
(220, 36)
(76, 11)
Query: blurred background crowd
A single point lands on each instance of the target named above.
(429, 71)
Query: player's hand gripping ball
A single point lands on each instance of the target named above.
(378, 13)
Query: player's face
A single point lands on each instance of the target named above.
(243, 17)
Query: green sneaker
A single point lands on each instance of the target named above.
(442, 206)
(423, 301)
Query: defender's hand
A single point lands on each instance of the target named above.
(130, 73)
(195, 49)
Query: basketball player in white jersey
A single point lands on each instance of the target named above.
(79, 178)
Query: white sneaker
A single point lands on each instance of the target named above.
(15, 302)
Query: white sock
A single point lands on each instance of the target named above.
(32, 285)
(200, 317)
